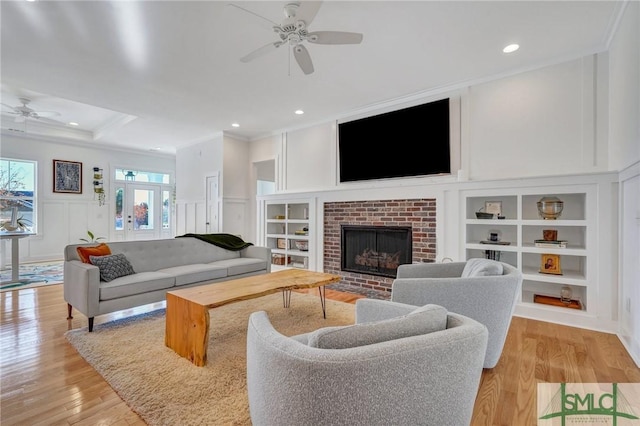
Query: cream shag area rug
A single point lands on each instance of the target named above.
(166, 389)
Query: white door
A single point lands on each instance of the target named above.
(141, 211)
(212, 214)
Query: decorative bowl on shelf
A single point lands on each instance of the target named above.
(484, 215)
(302, 245)
(550, 207)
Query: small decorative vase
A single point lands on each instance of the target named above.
(565, 294)
(549, 234)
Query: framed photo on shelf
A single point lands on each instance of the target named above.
(550, 264)
(493, 207)
(67, 176)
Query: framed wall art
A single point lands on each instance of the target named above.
(550, 264)
(493, 207)
(67, 176)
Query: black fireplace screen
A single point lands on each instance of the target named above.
(375, 250)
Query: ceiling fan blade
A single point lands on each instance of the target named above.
(261, 51)
(47, 113)
(9, 107)
(253, 13)
(334, 37)
(50, 121)
(307, 11)
(303, 58)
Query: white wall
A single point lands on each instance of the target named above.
(65, 218)
(264, 160)
(624, 90)
(310, 158)
(624, 136)
(193, 164)
(536, 123)
(236, 188)
(629, 261)
(234, 159)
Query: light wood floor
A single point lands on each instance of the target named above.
(45, 382)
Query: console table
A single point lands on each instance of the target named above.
(15, 253)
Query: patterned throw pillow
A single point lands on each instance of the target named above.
(100, 250)
(113, 266)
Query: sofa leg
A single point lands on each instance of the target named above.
(91, 324)
(69, 308)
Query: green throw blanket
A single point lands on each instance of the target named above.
(226, 241)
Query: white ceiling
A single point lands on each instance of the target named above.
(165, 74)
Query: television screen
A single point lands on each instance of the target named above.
(404, 143)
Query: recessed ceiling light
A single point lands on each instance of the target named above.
(511, 48)
(73, 123)
(299, 112)
(235, 125)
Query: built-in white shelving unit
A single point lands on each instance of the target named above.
(520, 224)
(288, 231)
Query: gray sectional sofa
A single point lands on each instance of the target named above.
(159, 266)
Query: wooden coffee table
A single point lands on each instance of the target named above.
(187, 328)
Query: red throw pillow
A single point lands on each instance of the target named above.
(100, 250)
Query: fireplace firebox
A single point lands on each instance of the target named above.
(375, 250)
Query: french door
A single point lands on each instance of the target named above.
(139, 211)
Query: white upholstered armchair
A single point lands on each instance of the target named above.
(482, 289)
(397, 366)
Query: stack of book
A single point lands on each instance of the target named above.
(499, 243)
(492, 254)
(551, 243)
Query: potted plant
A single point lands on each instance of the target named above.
(91, 238)
(21, 225)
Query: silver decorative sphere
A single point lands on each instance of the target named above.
(550, 207)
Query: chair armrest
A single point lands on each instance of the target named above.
(489, 300)
(431, 270)
(369, 310)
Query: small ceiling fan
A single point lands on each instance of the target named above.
(294, 31)
(23, 112)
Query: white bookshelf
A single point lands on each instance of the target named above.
(288, 231)
(522, 225)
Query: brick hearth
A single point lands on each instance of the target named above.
(419, 214)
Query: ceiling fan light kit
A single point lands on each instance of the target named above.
(293, 31)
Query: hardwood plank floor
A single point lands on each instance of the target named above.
(45, 382)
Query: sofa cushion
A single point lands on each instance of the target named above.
(141, 282)
(188, 274)
(423, 320)
(100, 250)
(241, 265)
(112, 266)
(481, 268)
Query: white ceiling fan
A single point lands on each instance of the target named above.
(294, 31)
(23, 112)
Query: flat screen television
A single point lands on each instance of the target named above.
(409, 142)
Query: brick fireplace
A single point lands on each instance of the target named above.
(417, 214)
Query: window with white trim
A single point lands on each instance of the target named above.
(17, 195)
